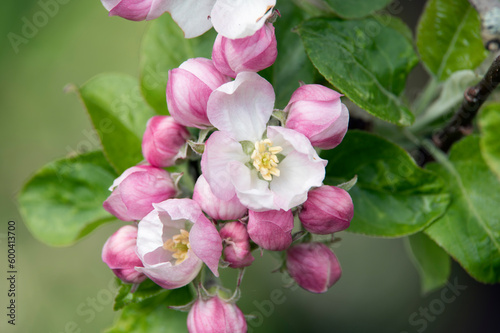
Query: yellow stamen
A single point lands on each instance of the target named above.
(265, 159)
(179, 244)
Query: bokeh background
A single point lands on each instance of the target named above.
(67, 289)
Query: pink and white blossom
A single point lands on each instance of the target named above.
(215, 315)
(250, 54)
(163, 140)
(237, 245)
(266, 167)
(231, 18)
(271, 230)
(328, 209)
(135, 191)
(136, 10)
(119, 254)
(174, 241)
(188, 88)
(317, 112)
(216, 208)
(313, 266)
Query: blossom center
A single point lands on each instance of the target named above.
(179, 245)
(265, 159)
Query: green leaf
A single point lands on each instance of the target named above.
(470, 229)
(153, 315)
(489, 121)
(393, 196)
(146, 290)
(291, 65)
(366, 60)
(356, 8)
(119, 115)
(164, 48)
(448, 37)
(63, 201)
(431, 261)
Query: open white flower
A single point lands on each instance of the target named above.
(230, 18)
(267, 167)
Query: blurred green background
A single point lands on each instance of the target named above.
(56, 287)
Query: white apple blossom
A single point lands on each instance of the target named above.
(266, 167)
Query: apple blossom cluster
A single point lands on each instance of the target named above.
(261, 176)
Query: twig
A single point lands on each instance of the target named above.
(461, 123)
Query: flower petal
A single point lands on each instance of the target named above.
(242, 107)
(252, 191)
(171, 276)
(300, 170)
(220, 149)
(240, 18)
(206, 243)
(193, 16)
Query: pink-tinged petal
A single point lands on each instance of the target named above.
(240, 18)
(140, 190)
(127, 173)
(313, 266)
(328, 209)
(310, 118)
(216, 208)
(333, 135)
(188, 90)
(137, 10)
(242, 107)
(163, 140)
(193, 16)
(170, 276)
(206, 243)
(314, 92)
(271, 230)
(237, 249)
(110, 4)
(115, 206)
(119, 254)
(181, 209)
(300, 170)
(316, 112)
(136, 190)
(220, 149)
(187, 98)
(252, 191)
(205, 70)
(250, 54)
(215, 315)
(298, 175)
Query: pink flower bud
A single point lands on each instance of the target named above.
(313, 266)
(216, 208)
(215, 315)
(237, 249)
(163, 140)
(135, 191)
(249, 54)
(135, 10)
(119, 254)
(272, 229)
(316, 112)
(328, 209)
(188, 89)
